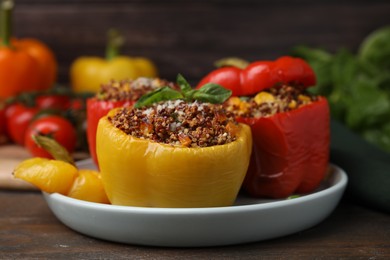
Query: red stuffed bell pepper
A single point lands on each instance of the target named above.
(112, 95)
(290, 127)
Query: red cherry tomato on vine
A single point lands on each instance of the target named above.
(58, 102)
(56, 127)
(3, 124)
(18, 117)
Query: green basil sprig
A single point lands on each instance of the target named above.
(210, 92)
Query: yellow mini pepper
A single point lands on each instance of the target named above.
(139, 172)
(88, 73)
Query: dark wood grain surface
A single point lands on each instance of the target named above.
(188, 36)
(28, 230)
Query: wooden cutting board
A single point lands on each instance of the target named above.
(10, 157)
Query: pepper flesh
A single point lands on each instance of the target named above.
(290, 151)
(139, 172)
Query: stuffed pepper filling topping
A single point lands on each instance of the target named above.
(130, 89)
(270, 102)
(179, 123)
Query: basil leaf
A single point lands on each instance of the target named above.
(212, 93)
(161, 94)
(189, 96)
(185, 87)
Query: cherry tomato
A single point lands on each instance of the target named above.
(77, 104)
(228, 77)
(56, 127)
(58, 102)
(3, 125)
(257, 77)
(294, 70)
(18, 117)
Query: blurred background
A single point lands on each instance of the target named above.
(188, 36)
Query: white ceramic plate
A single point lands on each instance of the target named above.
(248, 220)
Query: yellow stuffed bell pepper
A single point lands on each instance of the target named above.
(88, 73)
(139, 172)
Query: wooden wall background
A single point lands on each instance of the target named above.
(188, 36)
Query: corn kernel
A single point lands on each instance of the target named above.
(292, 104)
(244, 107)
(264, 97)
(234, 101)
(304, 98)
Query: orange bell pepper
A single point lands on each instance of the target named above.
(25, 64)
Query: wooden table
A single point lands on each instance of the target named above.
(29, 230)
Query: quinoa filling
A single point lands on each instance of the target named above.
(179, 123)
(130, 89)
(270, 102)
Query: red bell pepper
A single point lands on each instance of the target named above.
(96, 109)
(290, 151)
(261, 75)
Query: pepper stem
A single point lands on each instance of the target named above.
(7, 7)
(231, 61)
(115, 42)
(54, 148)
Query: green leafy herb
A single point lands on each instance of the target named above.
(211, 93)
(161, 94)
(375, 49)
(357, 85)
(183, 84)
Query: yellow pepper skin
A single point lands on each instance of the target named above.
(88, 186)
(139, 172)
(88, 73)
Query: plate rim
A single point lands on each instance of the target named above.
(340, 183)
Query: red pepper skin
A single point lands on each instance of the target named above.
(96, 109)
(261, 75)
(290, 151)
